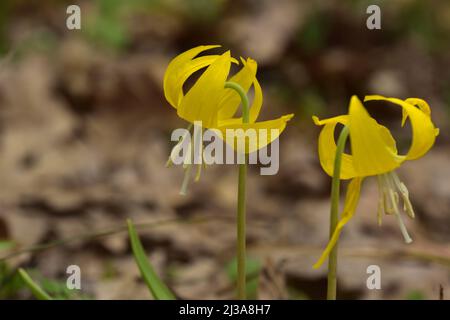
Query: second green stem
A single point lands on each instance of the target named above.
(334, 213)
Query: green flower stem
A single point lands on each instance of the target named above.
(241, 250)
(334, 213)
(244, 99)
(241, 238)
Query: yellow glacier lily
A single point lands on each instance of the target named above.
(374, 153)
(211, 103)
(208, 100)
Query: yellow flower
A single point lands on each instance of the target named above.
(374, 153)
(210, 102)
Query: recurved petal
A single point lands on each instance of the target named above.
(423, 130)
(180, 68)
(371, 149)
(351, 202)
(256, 135)
(327, 147)
(255, 108)
(421, 104)
(201, 103)
(230, 100)
(257, 102)
(189, 68)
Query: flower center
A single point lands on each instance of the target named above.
(390, 189)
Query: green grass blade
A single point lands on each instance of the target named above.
(34, 287)
(158, 289)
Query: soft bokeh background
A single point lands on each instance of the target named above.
(85, 133)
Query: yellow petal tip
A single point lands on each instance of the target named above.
(322, 259)
(354, 99)
(211, 46)
(316, 120)
(372, 97)
(288, 117)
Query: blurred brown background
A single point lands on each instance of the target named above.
(85, 133)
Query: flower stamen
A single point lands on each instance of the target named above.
(407, 206)
(176, 149)
(390, 187)
(193, 156)
(403, 228)
(381, 197)
(198, 143)
(187, 176)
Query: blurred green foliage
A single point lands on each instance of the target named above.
(106, 27)
(4, 245)
(41, 41)
(313, 36)
(12, 285)
(312, 103)
(297, 294)
(415, 295)
(10, 282)
(252, 269)
(418, 18)
(203, 11)
(57, 289)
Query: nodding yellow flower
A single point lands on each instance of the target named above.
(374, 153)
(210, 102)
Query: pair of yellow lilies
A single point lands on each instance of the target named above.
(373, 149)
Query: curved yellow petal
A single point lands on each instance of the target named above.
(229, 122)
(230, 100)
(327, 147)
(423, 130)
(255, 108)
(191, 67)
(181, 67)
(421, 104)
(372, 152)
(351, 202)
(257, 135)
(201, 103)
